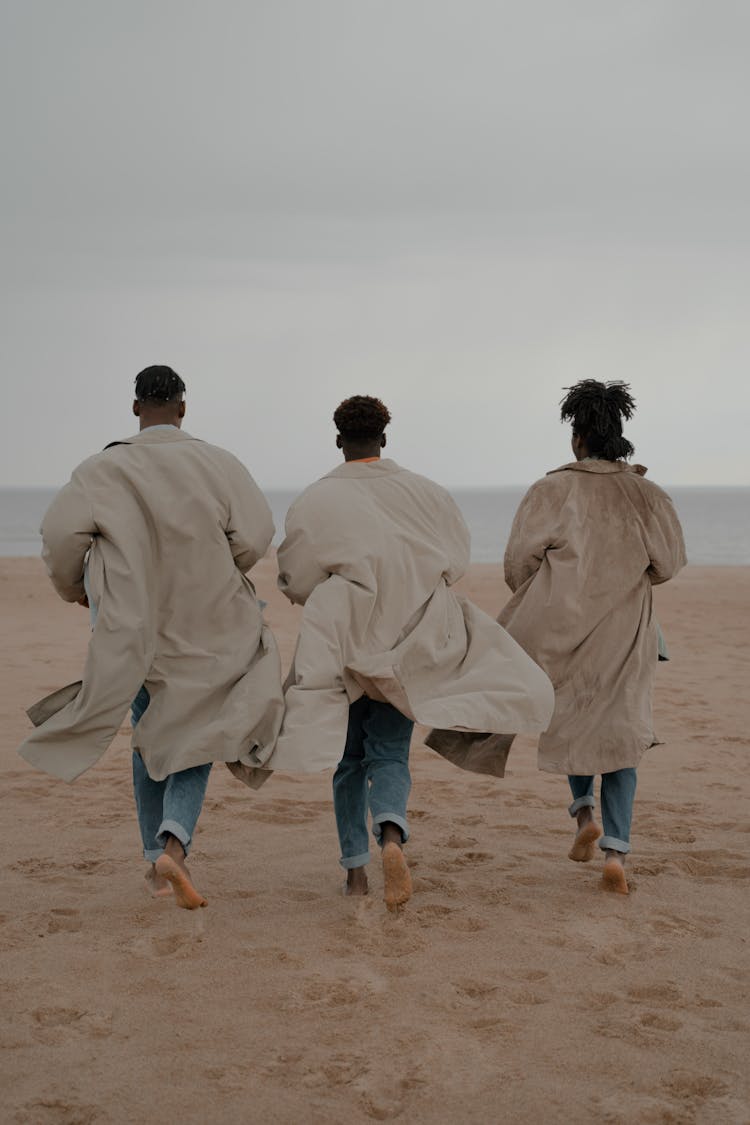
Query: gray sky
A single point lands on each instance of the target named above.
(460, 207)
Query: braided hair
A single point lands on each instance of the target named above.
(596, 411)
(361, 418)
(158, 385)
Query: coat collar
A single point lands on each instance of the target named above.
(594, 466)
(355, 469)
(154, 434)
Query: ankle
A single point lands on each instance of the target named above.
(174, 849)
(391, 834)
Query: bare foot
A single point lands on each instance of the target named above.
(185, 894)
(396, 877)
(583, 848)
(158, 887)
(356, 882)
(613, 876)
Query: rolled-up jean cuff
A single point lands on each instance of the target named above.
(152, 854)
(389, 818)
(585, 802)
(612, 844)
(348, 861)
(174, 829)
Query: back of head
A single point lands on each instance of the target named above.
(596, 411)
(159, 386)
(361, 418)
(361, 422)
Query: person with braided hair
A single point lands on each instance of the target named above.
(371, 552)
(157, 533)
(587, 544)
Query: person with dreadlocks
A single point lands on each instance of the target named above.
(157, 533)
(587, 544)
(371, 552)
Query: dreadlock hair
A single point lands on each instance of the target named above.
(158, 385)
(596, 411)
(361, 418)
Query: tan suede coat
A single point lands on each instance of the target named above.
(371, 551)
(588, 542)
(172, 524)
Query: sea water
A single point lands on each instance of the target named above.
(716, 521)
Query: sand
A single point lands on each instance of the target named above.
(511, 988)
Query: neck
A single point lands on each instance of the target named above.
(150, 418)
(361, 452)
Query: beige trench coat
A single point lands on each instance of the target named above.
(172, 524)
(588, 542)
(371, 551)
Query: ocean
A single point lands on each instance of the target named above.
(716, 521)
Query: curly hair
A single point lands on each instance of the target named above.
(596, 411)
(361, 418)
(158, 385)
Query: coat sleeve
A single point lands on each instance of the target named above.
(300, 567)
(67, 530)
(250, 523)
(664, 540)
(533, 531)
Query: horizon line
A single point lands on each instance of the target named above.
(450, 487)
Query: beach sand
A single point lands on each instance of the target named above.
(511, 989)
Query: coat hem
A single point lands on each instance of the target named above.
(631, 761)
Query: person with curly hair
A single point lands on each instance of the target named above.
(587, 544)
(371, 552)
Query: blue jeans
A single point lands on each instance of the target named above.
(374, 774)
(170, 806)
(164, 807)
(617, 794)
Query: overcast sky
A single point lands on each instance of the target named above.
(461, 207)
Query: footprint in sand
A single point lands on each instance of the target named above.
(43, 870)
(434, 911)
(598, 1001)
(298, 894)
(94, 866)
(696, 1088)
(469, 989)
(274, 956)
(494, 1028)
(495, 896)
(57, 1017)
(649, 867)
(64, 921)
(525, 880)
(660, 1022)
(526, 997)
(424, 884)
(457, 841)
(167, 945)
(468, 859)
(468, 923)
(666, 994)
(53, 1026)
(326, 996)
(59, 1111)
(668, 924)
